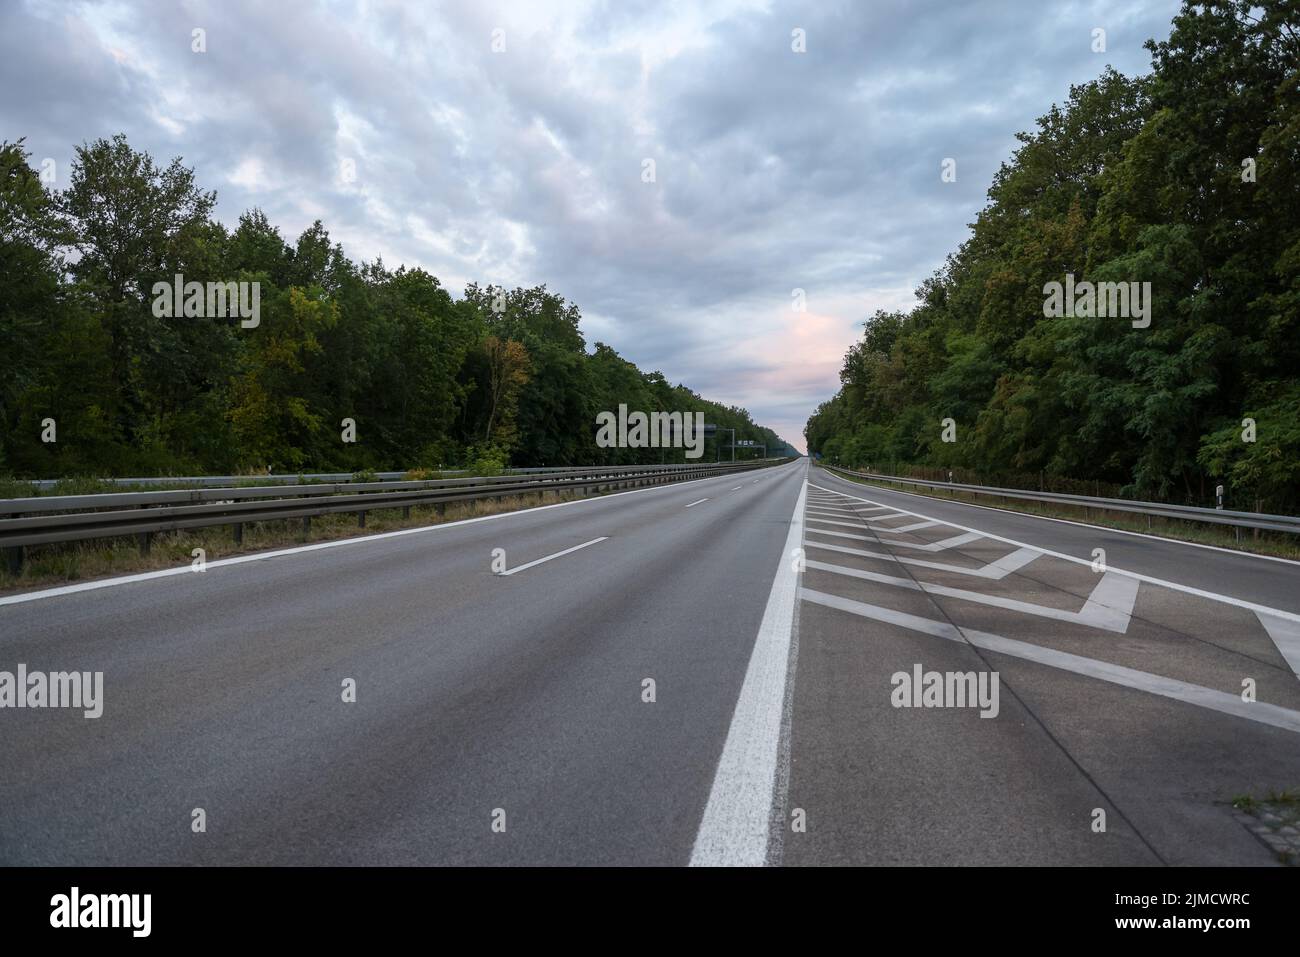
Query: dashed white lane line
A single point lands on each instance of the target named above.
(697, 502)
(738, 488)
(734, 829)
(538, 561)
(187, 569)
(1220, 701)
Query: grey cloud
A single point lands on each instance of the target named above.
(774, 169)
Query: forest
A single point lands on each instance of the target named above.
(1187, 178)
(349, 366)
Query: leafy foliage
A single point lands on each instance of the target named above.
(496, 378)
(1130, 180)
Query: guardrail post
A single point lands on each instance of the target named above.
(406, 511)
(441, 509)
(14, 560)
(143, 539)
(361, 519)
(306, 525)
(238, 528)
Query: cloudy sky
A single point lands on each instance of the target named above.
(507, 143)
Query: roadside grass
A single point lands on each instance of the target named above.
(48, 565)
(1275, 820)
(1278, 544)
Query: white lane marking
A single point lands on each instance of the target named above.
(1109, 607)
(1149, 579)
(1010, 562)
(832, 509)
(887, 529)
(903, 528)
(994, 571)
(827, 521)
(1223, 702)
(738, 488)
(697, 502)
(1106, 528)
(881, 518)
(186, 569)
(538, 561)
(1286, 635)
(944, 545)
(734, 829)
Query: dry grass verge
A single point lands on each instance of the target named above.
(62, 564)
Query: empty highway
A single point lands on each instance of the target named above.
(703, 673)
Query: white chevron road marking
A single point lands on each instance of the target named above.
(1220, 701)
(876, 528)
(1285, 635)
(994, 571)
(1109, 607)
(944, 545)
(1137, 576)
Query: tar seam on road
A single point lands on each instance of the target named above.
(1275, 621)
(1149, 579)
(734, 830)
(781, 791)
(1039, 721)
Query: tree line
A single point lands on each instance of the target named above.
(1187, 178)
(95, 383)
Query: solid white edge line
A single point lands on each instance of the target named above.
(538, 561)
(734, 830)
(335, 543)
(1149, 579)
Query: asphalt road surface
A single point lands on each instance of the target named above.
(699, 673)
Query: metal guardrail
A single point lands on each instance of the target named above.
(49, 519)
(290, 478)
(1217, 516)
